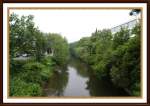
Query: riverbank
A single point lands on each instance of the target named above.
(78, 80)
(28, 76)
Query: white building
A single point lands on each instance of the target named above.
(131, 24)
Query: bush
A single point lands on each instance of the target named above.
(37, 72)
(18, 87)
(15, 65)
(47, 60)
(32, 72)
(116, 57)
(28, 81)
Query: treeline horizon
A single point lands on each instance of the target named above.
(115, 56)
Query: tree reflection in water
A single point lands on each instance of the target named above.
(78, 80)
(57, 84)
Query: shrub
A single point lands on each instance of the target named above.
(15, 65)
(47, 60)
(18, 87)
(32, 72)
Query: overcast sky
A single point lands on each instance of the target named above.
(75, 24)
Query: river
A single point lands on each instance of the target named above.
(77, 80)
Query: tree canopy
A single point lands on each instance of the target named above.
(115, 56)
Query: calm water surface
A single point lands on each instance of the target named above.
(77, 80)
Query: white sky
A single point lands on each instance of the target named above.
(75, 24)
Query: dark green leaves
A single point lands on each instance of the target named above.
(114, 56)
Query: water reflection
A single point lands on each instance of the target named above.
(77, 80)
(103, 88)
(81, 68)
(56, 84)
(76, 84)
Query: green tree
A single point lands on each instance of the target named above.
(126, 68)
(22, 31)
(40, 45)
(116, 56)
(59, 47)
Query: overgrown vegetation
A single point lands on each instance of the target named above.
(115, 56)
(33, 55)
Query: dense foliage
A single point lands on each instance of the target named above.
(33, 55)
(115, 56)
(59, 48)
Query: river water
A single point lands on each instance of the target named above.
(77, 80)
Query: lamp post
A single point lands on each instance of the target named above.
(136, 13)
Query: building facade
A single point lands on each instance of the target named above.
(129, 25)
